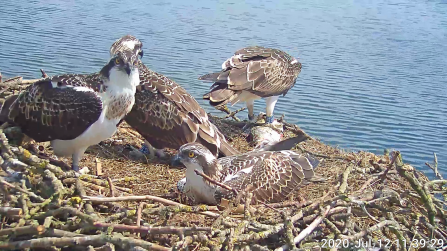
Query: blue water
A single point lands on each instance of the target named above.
(374, 72)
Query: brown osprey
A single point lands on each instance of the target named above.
(75, 111)
(167, 116)
(270, 175)
(253, 73)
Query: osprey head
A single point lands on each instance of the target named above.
(127, 43)
(194, 154)
(123, 61)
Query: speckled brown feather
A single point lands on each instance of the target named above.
(273, 177)
(166, 115)
(46, 113)
(262, 71)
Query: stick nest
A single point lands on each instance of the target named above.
(131, 203)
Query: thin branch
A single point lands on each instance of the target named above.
(28, 230)
(233, 114)
(344, 183)
(365, 232)
(395, 156)
(140, 208)
(123, 242)
(63, 210)
(98, 167)
(31, 194)
(112, 188)
(320, 155)
(435, 167)
(303, 234)
(10, 211)
(180, 231)
(216, 182)
(143, 197)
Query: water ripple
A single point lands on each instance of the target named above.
(373, 75)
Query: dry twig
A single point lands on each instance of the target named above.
(209, 179)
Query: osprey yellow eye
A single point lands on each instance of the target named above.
(191, 154)
(117, 61)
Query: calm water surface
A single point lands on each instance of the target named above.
(374, 72)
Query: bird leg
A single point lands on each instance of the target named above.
(250, 107)
(271, 102)
(76, 157)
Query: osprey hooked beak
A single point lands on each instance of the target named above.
(176, 161)
(129, 60)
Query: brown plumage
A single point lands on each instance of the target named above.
(166, 115)
(273, 176)
(46, 112)
(74, 111)
(253, 73)
(270, 175)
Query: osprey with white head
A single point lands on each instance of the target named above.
(73, 111)
(253, 73)
(270, 175)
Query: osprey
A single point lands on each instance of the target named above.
(166, 115)
(250, 74)
(270, 175)
(76, 111)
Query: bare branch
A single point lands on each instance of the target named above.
(180, 231)
(307, 231)
(216, 182)
(143, 197)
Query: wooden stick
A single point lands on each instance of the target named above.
(154, 230)
(28, 230)
(98, 167)
(227, 111)
(82, 241)
(344, 184)
(395, 155)
(140, 208)
(31, 194)
(10, 211)
(233, 114)
(435, 167)
(365, 232)
(112, 189)
(415, 184)
(319, 155)
(70, 210)
(143, 197)
(215, 182)
(303, 234)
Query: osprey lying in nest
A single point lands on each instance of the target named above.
(270, 175)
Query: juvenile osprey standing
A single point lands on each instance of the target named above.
(253, 73)
(76, 111)
(166, 115)
(270, 175)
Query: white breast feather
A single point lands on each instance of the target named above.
(196, 187)
(103, 128)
